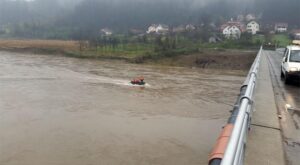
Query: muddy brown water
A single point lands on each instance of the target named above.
(65, 111)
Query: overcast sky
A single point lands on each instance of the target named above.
(198, 3)
(163, 10)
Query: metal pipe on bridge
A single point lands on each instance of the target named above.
(231, 144)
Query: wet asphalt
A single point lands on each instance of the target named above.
(288, 104)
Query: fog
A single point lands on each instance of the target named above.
(122, 15)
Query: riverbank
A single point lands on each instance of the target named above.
(206, 58)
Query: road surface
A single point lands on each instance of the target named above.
(65, 111)
(288, 103)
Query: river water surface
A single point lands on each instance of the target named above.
(65, 111)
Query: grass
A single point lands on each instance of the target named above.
(123, 50)
(128, 51)
(39, 44)
(189, 54)
(259, 39)
(133, 51)
(281, 40)
(230, 44)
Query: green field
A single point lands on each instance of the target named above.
(131, 48)
(281, 40)
(125, 50)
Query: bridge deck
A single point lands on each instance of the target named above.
(264, 144)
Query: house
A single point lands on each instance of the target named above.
(190, 27)
(232, 32)
(158, 29)
(253, 27)
(281, 27)
(106, 32)
(239, 24)
(152, 29)
(233, 29)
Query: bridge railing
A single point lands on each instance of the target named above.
(231, 145)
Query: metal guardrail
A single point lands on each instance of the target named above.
(230, 147)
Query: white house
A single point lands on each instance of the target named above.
(162, 29)
(152, 29)
(238, 24)
(158, 29)
(281, 27)
(106, 31)
(232, 32)
(190, 27)
(253, 27)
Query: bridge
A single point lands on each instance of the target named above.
(264, 124)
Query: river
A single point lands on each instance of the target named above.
(57, 110)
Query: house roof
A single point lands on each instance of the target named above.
(232, 27)
(238, 24)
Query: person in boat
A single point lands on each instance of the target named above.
(138, 81)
